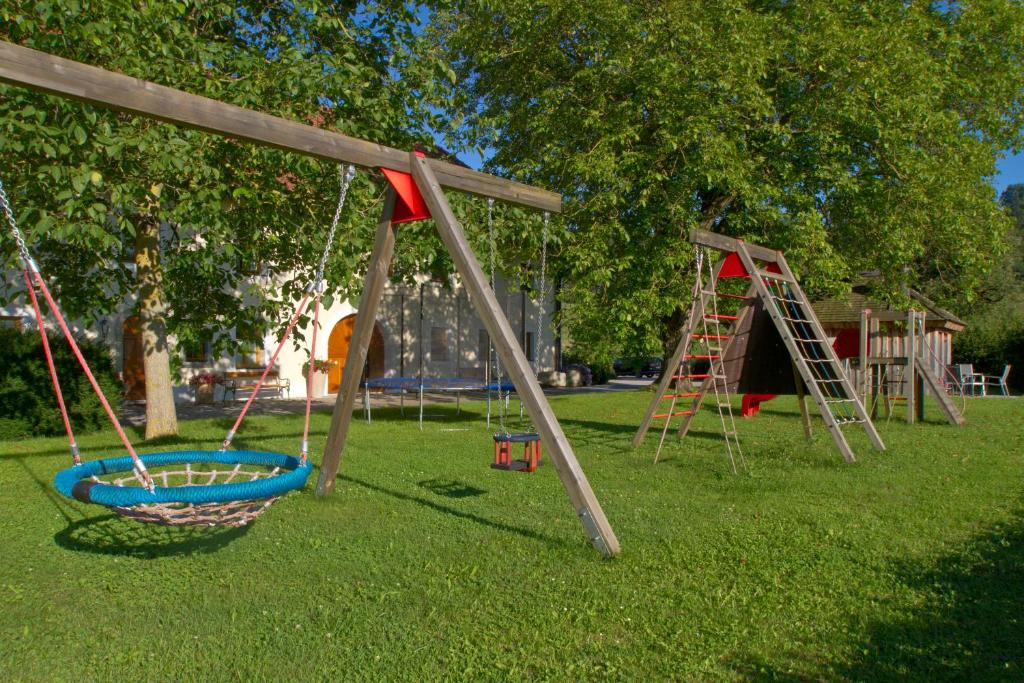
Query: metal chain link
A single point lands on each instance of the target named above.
(26, 258)
(492, 244)
(539, 343)
(345, 179)
(490, 238)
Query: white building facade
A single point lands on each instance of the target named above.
(427, 329)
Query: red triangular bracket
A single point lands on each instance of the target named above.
(733, 267)
(409, 204)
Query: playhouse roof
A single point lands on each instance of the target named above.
(846, 310)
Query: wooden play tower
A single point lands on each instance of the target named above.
(896, 367)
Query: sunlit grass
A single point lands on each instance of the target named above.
(427, 564)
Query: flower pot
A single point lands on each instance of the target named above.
(319, 384)
(204, 394)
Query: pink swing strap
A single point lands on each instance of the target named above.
(72, 444)
(304, 450)
(345, 176)
(34, 279)
(140, 467)
(259, 384)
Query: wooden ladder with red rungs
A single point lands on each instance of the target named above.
(703, 339)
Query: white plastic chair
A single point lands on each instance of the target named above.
(997, 381)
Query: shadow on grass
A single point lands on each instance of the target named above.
(450, 488)
(113, 535)
(607, 427)
(460, 514)
(109, 534)
(255, 441)
(970, 627)
(432, 412)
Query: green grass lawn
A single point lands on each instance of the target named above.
(426, 564)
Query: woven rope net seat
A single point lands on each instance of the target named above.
(196, 488)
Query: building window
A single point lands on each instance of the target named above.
(483, 345)
(439, 343)
(197, 352)
(252, 357)
(529, 350)
(11, 321)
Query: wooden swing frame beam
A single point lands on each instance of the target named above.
(35, 70)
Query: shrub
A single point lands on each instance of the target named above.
(27, 404)
(586, 376)
(602, 372)
(994, 338)
(598, 369)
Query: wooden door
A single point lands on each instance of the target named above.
(375, 354)
(133, 368)
(337, 351)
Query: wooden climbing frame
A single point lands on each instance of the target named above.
(40, 71)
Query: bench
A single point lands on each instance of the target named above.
(235, 380)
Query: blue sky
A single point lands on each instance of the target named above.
(1011, 170)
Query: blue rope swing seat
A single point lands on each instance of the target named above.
(208, 488)
(193, 487)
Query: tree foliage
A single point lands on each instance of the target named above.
(995, 324)
(853, 135)
(83, 178)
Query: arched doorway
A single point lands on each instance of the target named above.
(337, 351)
(133, 369)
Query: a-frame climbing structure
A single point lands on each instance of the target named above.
(703, 342)
(773, 344)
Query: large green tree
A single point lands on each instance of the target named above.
(995, 323)
(853, 135)
(201, 234)
(1013, 199)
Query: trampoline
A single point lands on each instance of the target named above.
(440, 385)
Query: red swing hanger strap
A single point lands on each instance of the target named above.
(317, 287)
(34, 279)
(316, 291)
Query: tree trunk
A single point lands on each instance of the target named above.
(161, 418)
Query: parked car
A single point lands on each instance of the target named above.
(650, 368)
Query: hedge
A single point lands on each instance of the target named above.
(27, 404)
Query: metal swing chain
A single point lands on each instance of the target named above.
(492, 245)
(316, 287)
(138, 466)
(19, 239)
(345, 180)
(541, 295)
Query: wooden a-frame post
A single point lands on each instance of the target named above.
(362, 333)
(28, 68)
(486, 305)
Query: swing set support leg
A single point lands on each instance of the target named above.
(376, 278)
(596, 525)
(582, 497)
